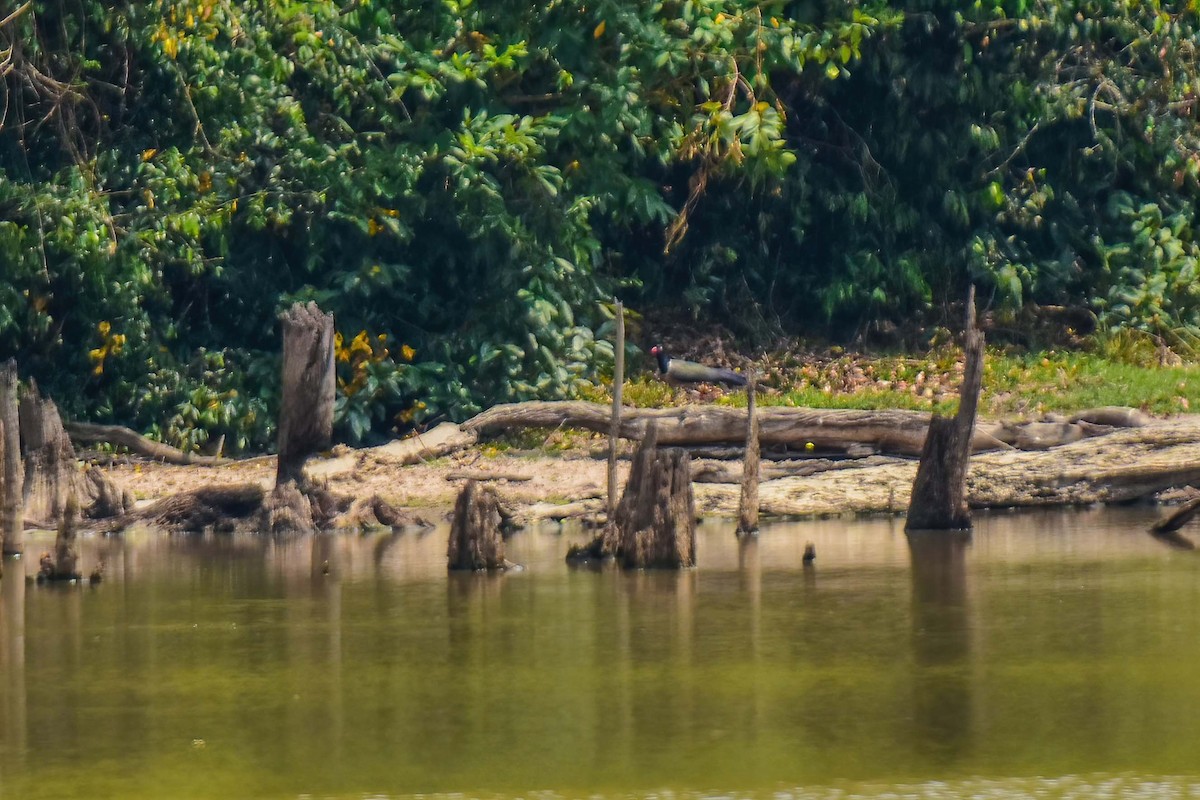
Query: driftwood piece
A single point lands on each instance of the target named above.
(748, 502)
(375, 512)
(1113, 416)
(889, 431)
(1177, 519)
(592, 508)
(476, 535)
(133, 441)
(12, 523)
(656, 520)
(939, 494)
(306, 408)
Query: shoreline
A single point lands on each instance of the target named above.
(1119, 466)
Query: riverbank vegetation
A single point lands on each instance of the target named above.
(465, 185)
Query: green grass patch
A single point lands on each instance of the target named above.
(1119, 373)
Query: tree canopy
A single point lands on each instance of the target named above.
(464, 184)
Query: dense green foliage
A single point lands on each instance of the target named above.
(463, 183)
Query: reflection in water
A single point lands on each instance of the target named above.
(941, 635)
(350, 666)
(12, 660)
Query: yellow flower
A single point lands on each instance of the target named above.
(104, 327)
(171, 46)
(98, 354)
(373, 227)
(98, 369)
(149, 154)
(361, 343)
(407, 352)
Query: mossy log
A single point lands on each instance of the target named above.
(477, 530)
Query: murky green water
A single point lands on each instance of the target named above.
(1054, 655)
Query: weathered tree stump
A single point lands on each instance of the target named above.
(476, 532)
(939, 494)
(748, 505)
(12, 521)
(49, 457)
(51, 469)
(655, 523)
(305, 416)
(306, 408)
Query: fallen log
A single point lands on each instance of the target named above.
(485, 475)
(89, 433)
(711, 471)
(891, 431)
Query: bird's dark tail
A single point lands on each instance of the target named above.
(730, 377)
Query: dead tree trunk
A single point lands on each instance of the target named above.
(614, 430)
(12, 521)
(656, 520)
(748, 506)
(939, 495)
(306, 409)
(476, 533)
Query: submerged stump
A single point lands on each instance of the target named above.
(63, 565)
(655, 524)
(477, 530)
